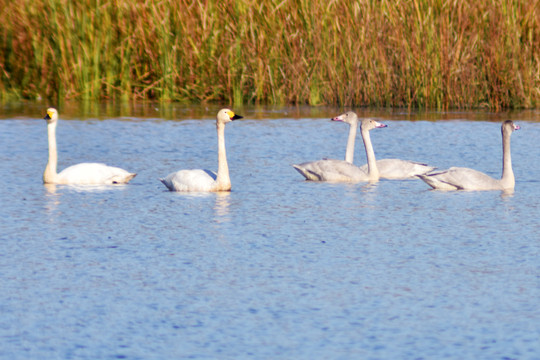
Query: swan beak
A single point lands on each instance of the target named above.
(337, 118)
(517, 127)
(47, 117)
(233, 116)
(380, 125)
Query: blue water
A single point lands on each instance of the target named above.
(279, 268)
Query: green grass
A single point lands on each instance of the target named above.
(406, 53)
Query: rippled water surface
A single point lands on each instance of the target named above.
(279, 268)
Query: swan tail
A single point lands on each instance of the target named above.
(436, 183)
(123, 179)
(168, 184)
(427, 180)
(309, 175)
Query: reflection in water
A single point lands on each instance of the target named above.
(53, 198)
(96, 188)
(506, 197)
(370, 187)
(221, 205)
(54, 192)
(221, 208)
(367, 192)
(505, 194)
(51, 188)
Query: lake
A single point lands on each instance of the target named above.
(279, 268)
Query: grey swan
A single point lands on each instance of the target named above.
(331, 170)
(460, 178)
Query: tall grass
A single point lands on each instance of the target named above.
(412, 53)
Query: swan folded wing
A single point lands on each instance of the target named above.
(400, 169)
(459, 178)
(331, 171)
(190, 180)
(94, 174)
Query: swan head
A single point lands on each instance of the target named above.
(349, 117)
(508, 127)
(52, 116)
(227, 115)
(370, 124)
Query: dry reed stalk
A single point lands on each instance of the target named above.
(418, 53)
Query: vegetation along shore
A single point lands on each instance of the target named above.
(412, 53)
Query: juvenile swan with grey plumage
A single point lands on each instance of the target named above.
(350, 118)
(394, 169)
(343, 171)
(205, 180)
(80, 174)
(459, 178)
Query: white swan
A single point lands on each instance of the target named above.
(395, 169)
(458, 178)
(206, 180)
(343, 171)
(80, 174)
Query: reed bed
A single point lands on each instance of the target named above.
(413, 53)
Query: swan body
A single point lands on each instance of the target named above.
(460, 178)
(92, 174)
(197, 180)
(344, 171)
(80, 174)
(331, 170)
(397, 169)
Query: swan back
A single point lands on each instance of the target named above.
(397, 169)
(94, 174)
(196, 180)
(331, 171)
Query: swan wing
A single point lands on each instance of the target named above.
(459, 178)
(190, 180)
(332, 171)
(400, 169)
(94, 174)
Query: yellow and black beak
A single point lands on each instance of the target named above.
(47, 117)
(233, 116)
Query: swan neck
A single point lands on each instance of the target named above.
(223, 180)
(507, 179)
(50, 174)
(349, 153)
(373, 171)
